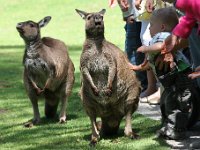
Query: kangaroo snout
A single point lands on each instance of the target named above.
(19, 26)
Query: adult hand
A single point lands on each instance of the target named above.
(124, 4)
(149, 5)
(112, 3)
(165, 61)
(169, 43)
(142, 49)
(195, 74)
(130, 19)
(137, 4)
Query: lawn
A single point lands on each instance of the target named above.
(15, 107)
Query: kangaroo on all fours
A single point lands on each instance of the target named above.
(48, 70)
(110, 90)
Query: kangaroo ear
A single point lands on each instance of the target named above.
(44, 21)
(81, 13)
(102, 11)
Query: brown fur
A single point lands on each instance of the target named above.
(48, 70)
(110, 90)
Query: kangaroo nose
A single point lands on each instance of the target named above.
(19, 25)
(98, 19)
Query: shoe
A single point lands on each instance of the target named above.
(161, 133)
(169, 133)
(173, 134)
(153, 99)
(195, 145)
(145, 93)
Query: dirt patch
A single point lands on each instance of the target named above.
(4, 84)
(3, 111)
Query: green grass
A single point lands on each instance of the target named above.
(15, 107)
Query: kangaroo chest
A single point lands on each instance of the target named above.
(98, 64)
(38, 70)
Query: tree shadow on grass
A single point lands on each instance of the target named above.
(12, 46)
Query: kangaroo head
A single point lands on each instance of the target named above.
(94, 23)
(30, 30)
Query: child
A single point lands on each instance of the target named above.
(190, 24)
(178, 88)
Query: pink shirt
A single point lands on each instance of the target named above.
(192, 16)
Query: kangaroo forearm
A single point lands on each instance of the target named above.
(88, 77)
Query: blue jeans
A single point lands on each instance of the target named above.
(194, 41)
(131, 45)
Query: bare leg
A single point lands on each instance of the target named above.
(152, 88)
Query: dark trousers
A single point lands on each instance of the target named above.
(132, 43)
(176, 100)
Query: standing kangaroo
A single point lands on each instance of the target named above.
(110, 90)
(48, 70)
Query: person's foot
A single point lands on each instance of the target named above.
(153, 99)
(169, 133)
(161, 133)
(195, 145)
(149, 91)
(172, 134)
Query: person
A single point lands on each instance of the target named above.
(151, 93)
(187, 25)
(191, 27)
(133, 41)
(178, 88)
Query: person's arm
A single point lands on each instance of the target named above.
(126, 8)
(184, 27)
(144, 66)
(174, 43)
(195, 74)
(137, 4)
(156, 47)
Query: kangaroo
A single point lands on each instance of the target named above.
(110, 90)
(48, 70)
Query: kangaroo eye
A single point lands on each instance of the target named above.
(31, 25)
(89, 17)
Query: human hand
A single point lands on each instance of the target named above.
(149, 6)
(135, 67)
(112, 3)
(137, 4)
(169, 43)
(195, 74)
(165, 61)
(130, 19)
(142, 49)
(124, 4)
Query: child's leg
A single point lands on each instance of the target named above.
(152, 87)
(153, 91)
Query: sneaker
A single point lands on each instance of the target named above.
(161, 133)
(169, 133)
(195, 145)
(173, 134)
(153, 99)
